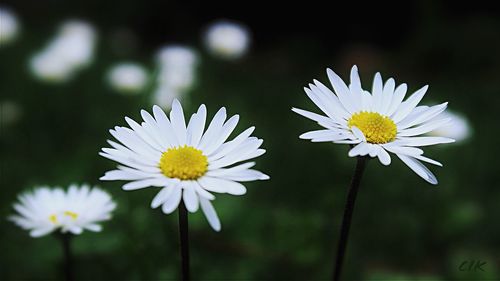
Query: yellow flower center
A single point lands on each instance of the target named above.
(53, 218)
(72, 215)
(376, 127)
(183, 162)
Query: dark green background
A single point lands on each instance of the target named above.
(285, 228)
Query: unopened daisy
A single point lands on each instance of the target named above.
(376, 122)
(188, 162)
(45, 210)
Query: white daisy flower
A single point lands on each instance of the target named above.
(187, 162)
(177, 56)
(378, 122)
(227, 40)
(127, 77)
(71, 50)
(46, 210)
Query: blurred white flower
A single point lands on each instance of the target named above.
(75, 43)
(178, 80)
(164, 96)
(177, 65)
(10, 112)
(49, 67)
(176, 73)
(9, 26)
(458, 128)
(71, 50)
(227, 40)
(177, 56)
(127, 77)
(46, 210)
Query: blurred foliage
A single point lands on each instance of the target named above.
(285, 228)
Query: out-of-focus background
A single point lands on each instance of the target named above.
(69, 71)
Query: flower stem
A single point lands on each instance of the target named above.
(184, 241)
(68, 257)
(348, 210)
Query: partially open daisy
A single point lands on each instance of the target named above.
(46, 210)
(187, 161)
(378, 122)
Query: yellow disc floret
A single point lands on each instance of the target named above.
(70, 214)
(184, 163)
(53, 219)
(376, 127)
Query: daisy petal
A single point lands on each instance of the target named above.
(424, 128)
(315, 117)
(398, 96)
(341, 90)
(146, 183)
(210, 214)
(361, 149)
(213, 128)
(418, 168)
(161, 197)
(383, 156)
(202, 192)
(173, 201)
(222, 185)
(166, 130)
(422, 117)
(178, 122)
(190, 198)
(407, 106)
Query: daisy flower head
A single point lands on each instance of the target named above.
(228, 40)
(45, 210)
(127, 77)
(188, 162)
(377, 122)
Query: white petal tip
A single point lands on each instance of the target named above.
(385, 163)
(264, 177)
(127, 188)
